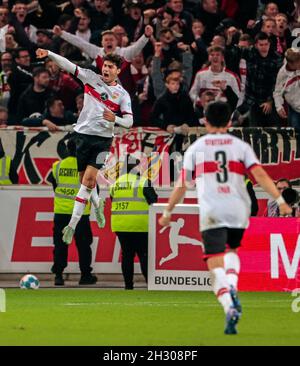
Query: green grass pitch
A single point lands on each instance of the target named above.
(118, 317)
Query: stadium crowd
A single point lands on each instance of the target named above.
(177, 57)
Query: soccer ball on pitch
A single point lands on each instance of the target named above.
(29, 281)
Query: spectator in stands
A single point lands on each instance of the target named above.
(133, 21)
(3, 116)
(284, 37)
(10, 42)
(287, 88)
(224, 83)
(54, 117)
(3, 16)
(44, 39)
(180, 17)
(272, 206)
(144, 99)
(263, 65)
(20, 11)
(62, 84)
(83, 30)
(173, 111)
(198, 46)
(295, 15)
(6, 68)
(170, 51)
(19, 79)
(102, 16)
(270, 12)
(218, 41)
(33, 100)
(282, 5)
(269, 27)
(182, 71)
(206, 97)
(121, 35)
(109, 44)
(211, 16)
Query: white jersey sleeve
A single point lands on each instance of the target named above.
(85, 75)
(125, 106)
(250, 159)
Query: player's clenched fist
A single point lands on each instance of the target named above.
(41, 53)
(109, 115)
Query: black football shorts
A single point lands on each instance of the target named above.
(215, 240)
(91, 150)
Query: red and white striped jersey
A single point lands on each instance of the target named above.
(97, 97)
(205, 78)
(219, 162)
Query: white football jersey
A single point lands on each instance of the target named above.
(99, 96)
(219, 162)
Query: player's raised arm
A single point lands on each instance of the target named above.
(62, 62)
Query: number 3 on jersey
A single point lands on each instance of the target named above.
(220, 156)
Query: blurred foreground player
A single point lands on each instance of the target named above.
(218, 162)
(103, 99)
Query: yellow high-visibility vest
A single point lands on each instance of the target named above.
(130, 209)
(66, 175)
(5, 163)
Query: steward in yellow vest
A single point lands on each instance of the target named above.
(65, 181)
(131, 196)
(251, 192)
(8, 175)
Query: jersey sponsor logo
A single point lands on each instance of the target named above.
(104, 96)
(88, 89)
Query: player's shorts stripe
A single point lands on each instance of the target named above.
(76, 71)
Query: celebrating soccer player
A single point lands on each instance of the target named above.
(104, 98)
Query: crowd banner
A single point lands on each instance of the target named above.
(33, 151)
(270, 253)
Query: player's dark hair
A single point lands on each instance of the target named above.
(115, 59)
(218, 114)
